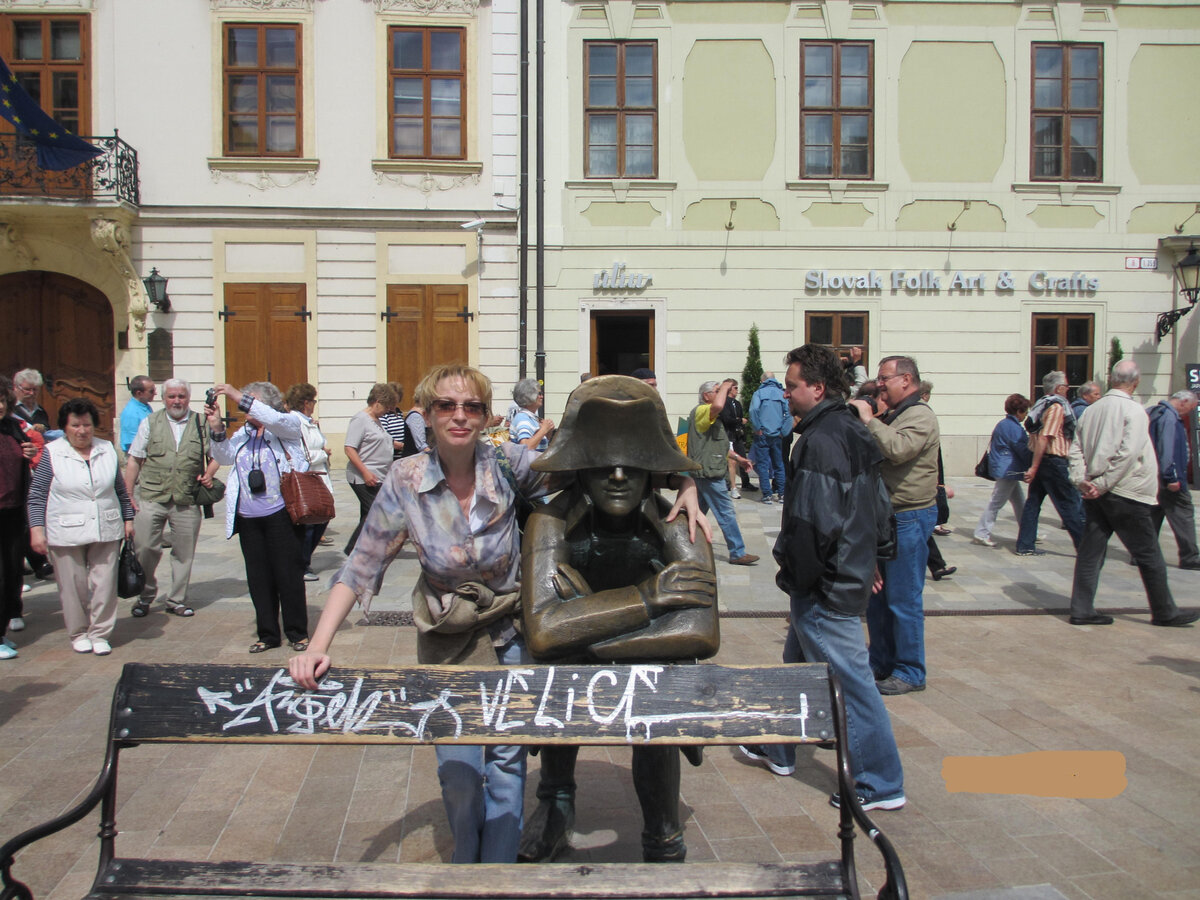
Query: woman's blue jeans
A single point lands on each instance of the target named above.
(483, 789)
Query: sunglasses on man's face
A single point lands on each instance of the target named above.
(474, 409)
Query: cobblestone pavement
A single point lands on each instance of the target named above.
(1007, 675)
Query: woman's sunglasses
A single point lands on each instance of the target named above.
(475, 409)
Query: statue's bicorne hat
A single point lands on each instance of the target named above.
(614, 420)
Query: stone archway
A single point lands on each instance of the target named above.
(63, 327)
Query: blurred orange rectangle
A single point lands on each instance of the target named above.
(1080, 774)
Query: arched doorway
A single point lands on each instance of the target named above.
(63, 327)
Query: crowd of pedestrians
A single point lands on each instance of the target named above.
(861, 492)
(1108, 465)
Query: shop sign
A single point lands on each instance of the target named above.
(928, 281)
(617, 279)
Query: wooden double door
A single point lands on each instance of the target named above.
(427, 325)
(63, 327)
(266, 336)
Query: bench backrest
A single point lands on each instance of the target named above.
(618, 704)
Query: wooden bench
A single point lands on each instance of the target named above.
(535, 705)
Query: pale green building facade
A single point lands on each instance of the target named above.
(996, 188)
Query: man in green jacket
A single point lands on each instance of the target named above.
(169, 455)
(708, 444)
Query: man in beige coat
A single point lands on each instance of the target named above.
(909, 438)
(1114, 466)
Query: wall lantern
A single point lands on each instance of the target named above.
(156, 290)
(1187, 270)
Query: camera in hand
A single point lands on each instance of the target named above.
(256, 481)
(210, 397)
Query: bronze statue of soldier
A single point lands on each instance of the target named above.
(607, 579)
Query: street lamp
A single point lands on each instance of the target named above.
(156, 289)
(1187, 270)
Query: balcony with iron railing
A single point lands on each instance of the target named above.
(110, 177)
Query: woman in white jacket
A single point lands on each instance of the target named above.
(301, 401)
(79, 512)
(269, 444)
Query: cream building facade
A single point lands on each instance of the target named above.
(303, 173)
(875, 173)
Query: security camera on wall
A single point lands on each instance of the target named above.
(474, 224)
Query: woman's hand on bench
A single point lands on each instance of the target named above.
(307, 668)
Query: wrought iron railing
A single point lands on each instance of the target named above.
(111, 176)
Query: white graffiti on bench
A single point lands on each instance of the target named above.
(281, 702)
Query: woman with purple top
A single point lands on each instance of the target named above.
(269, 444)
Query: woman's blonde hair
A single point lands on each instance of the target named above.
(475, 381)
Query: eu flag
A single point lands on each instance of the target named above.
(57, 148)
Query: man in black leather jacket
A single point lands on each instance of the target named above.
(836, 527)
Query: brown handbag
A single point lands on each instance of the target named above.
(308, 500)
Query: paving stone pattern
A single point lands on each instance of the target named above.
(1005, 676)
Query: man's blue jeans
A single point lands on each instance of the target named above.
(1051, 481)
(770, 464)
(896, 615)
(483, 789)
(715, 495)
(818, 634)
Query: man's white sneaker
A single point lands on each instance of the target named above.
(758, 753)
(736, 494)
(8, 651)
(82, 645)
(101, 648)
(890, 803)
(26, 588)
(17, 624)
(983, 542)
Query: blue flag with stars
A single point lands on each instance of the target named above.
(57, 148)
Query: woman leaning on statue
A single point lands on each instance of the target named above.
(458, 505)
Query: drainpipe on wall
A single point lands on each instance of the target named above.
(523, 203)
(541, 193)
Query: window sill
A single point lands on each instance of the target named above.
(622, 184)
(432, 167)
(838, 186)
(262, 164)
(1065, 188)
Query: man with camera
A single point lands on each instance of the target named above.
(168, 459)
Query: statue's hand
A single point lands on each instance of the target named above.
(569, 583)
(683, 585)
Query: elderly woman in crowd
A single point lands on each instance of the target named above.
(27, 384)
(458, 504)
(369, 452)
(269, 444)
(393, 421)
(16, 450)
(302, 401)
(414, 431)
(526, 428)
(78, 513)
(1008, 458)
